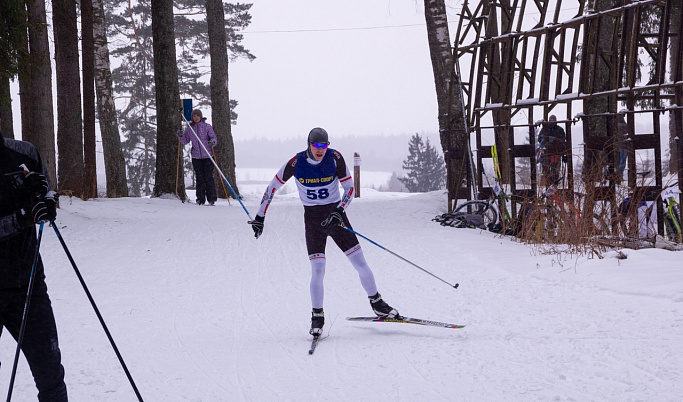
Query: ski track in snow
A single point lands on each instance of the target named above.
(203, 311)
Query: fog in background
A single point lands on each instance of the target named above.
(384, 153)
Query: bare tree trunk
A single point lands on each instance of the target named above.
(114, 163)
(452, 126)
(89, 137)
(38, 107)
(69, 118)
(220, 95)
(167, 100)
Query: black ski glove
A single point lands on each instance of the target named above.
(36, 183)
(257, 225)
(180, 133)
(336, 218)
(45, 209)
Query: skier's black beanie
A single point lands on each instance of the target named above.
(318, 135)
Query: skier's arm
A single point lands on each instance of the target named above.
(346, 181)
(278, 181)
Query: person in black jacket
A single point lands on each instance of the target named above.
(552, 140)
(26, 198)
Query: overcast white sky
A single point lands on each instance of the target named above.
(356, 67)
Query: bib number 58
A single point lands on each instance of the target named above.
(317, 194)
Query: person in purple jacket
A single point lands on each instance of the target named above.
(201, 156)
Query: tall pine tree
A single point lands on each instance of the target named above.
(134, 78)
(13, 20)
(167, 99)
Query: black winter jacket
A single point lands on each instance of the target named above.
(17, 231)
(553, 139)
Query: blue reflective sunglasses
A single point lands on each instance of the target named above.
(322, 145)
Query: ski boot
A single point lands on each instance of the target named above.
(317, 322)
(381, 308)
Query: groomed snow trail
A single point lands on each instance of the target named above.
(202, 311)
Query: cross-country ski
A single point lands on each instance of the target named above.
(314, 344)
(406, 320)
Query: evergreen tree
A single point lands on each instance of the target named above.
(35, 88)
(134, 78)
(394, 184)
(134, 82)
(13, 25)
(167, 99)
(13, 19)
(192, 35)
(114, 161)
(89, 111)
(71, 173)
(224, 152)
(426, 170)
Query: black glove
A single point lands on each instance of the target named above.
(257, 225)
(45, 209)
(212, 143)
(36, 183)
(336, 218)
(180, 133)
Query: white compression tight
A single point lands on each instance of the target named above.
(355, 255)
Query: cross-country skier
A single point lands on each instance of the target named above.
(26, 199)
(318, 172)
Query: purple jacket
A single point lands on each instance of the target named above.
(205, 133)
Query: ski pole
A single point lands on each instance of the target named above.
(178, 168)
(214, 163)
(97, 312)
(22, 329)
(396, 255)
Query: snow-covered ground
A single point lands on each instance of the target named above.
(203, 311)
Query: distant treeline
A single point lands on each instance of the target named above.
(384, 153)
